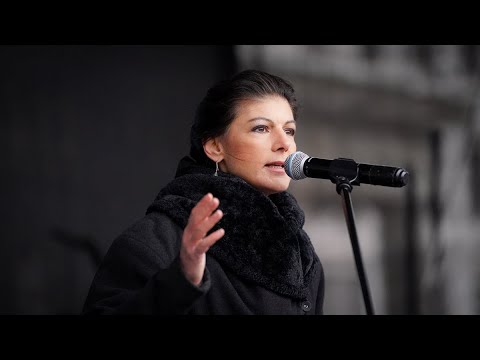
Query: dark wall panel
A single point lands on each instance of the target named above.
(88, 136)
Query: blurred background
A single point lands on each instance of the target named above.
(90, 134)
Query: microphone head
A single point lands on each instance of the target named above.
(294, 165)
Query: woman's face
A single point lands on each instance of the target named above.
(258, 141)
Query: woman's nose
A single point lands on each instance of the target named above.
(282, 141)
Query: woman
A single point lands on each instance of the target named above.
(224, 237)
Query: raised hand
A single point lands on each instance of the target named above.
(195, 243)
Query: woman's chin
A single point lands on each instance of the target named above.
(275, 188)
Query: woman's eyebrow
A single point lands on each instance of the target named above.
(266, 119)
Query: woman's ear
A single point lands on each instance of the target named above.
(213, 149)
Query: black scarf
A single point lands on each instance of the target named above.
(264, 241)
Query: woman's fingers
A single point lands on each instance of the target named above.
(204, 244)
(203, 218)
(199, 231)
(203, 209)
(210, 222)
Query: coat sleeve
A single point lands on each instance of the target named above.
(141, 273)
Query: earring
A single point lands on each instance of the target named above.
(216, 169)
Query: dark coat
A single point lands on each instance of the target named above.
(264, 264)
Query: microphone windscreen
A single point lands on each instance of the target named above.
(294, 165)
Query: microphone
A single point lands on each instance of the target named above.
(300, 166)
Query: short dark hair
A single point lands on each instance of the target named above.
(218, 108)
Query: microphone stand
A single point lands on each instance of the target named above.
(349, 172)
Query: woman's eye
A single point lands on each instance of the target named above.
(260, 129)
(290, 132)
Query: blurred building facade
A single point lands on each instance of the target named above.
(412, 106)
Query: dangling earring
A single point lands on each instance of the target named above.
(216, 169)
